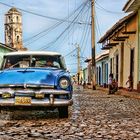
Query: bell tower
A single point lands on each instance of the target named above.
(13, 29)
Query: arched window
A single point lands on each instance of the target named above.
(18, 39)
(17, 19)
(9, 18)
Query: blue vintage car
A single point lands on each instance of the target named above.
(35, 80)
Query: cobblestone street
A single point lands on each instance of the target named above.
(94, 115)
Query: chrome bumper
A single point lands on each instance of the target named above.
(37, 102)
(51, 101)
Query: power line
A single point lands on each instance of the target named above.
(64, 30)
(43, 16)
(70, 52)
(87, 16)
(73, 26)
(106, 10)
(82, 15)
(65, 39)
(51, 28)
(98, 27)
(79, 39)
(88, 34)
(68, 23)
(33, 39)
(87, 19)
(85, 32)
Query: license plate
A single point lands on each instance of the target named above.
(22, 100)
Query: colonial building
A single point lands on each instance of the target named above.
(121, 41)
(134, 6)
(85, 75)
(89, 71)
(13, 29)
(102, 68)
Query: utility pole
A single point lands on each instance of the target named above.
(78, 63)
(93, 44)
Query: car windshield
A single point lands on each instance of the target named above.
(26, 61)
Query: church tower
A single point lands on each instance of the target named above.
(13, 29)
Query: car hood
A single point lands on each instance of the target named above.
(36, 76)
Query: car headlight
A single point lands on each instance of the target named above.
(64, 83)
(6, 95)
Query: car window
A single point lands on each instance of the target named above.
(24, 64)
(25, 61)
(16, 62)
(56, 64)
(43, 64)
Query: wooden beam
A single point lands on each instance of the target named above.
(122, 37)
(129, 32)
(112, 44)
(118, 39)
(106, 48)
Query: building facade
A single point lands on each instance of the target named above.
(85, 75)
(102, 69)
(121, 41)
(134, 6)
(89, 71)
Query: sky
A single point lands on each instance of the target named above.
(63, 25)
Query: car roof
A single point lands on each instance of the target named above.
(33, 53)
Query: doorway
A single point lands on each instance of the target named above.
(132, 63)
(117, 67)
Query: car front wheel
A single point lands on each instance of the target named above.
(63, 112)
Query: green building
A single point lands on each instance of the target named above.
(5, 49)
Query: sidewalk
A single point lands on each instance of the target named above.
(126, 93)
(123, 92)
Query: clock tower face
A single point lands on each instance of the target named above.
(13, 29)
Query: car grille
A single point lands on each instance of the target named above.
(24, 94)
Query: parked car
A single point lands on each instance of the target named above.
(27, 82)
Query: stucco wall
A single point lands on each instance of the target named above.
(129, 44)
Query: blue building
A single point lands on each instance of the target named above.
(102, 68)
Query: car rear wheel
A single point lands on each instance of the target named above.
(63, 112)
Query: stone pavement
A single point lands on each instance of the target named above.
(95, 115)
(77, 87)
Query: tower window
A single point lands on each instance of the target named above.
(9, 39)
(9, 18)
(17, 19)
(17, 38)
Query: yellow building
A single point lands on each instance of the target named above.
(134, 6)
(122, 42)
